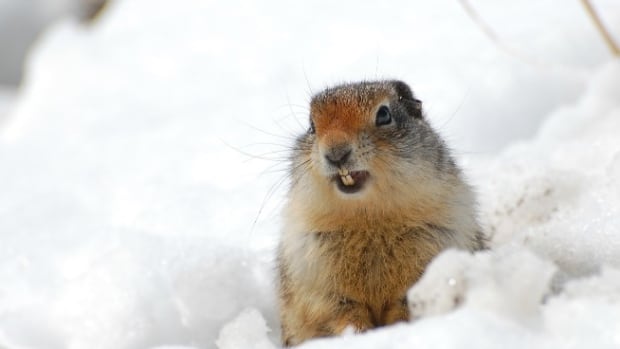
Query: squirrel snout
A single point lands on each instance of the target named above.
(338, 155)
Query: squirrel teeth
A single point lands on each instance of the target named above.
(346, 176)
(350, 180)
(347, 180)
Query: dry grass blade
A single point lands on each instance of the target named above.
(601, 28)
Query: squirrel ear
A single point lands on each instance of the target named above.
(414, 108)
(412, 104)
(418, 104)
(402, 90)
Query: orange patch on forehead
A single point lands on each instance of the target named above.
(347, 118)
(345, 110)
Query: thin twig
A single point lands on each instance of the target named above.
(514, 52)
(601, 28)
(488, 31)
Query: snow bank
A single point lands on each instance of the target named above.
(558, 194)
(131, 215)
(125, 289)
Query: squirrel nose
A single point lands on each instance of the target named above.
(338, 155)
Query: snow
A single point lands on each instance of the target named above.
(251, 324)
(20, 23)
(509, 282)
(7, 98)
(142, 171)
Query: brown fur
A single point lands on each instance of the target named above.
(347, 260)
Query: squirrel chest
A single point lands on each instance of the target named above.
(365, 265)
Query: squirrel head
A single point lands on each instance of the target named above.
(364, 138)
(368, 158)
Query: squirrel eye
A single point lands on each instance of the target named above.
(384, 117)
(311, 130)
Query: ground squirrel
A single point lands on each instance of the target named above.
(374, 196)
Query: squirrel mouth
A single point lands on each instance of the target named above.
(350, 182)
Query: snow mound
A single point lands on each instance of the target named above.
(558, 194)
(507, 282)
(140, 290)
(248, 330)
